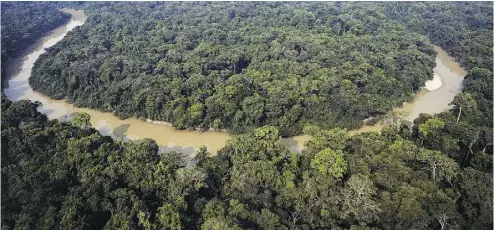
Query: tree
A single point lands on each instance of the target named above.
(320, 139)
(403, 209)
(474, 187)
(359, 205)
(443, 209)
(329, 163)
(209, 67)
(76, 177)
(215, 218)
(81, 120)
(465, 104)
(440, 166)
(168, 218)
(23, 24)
(431, 126)
(225, 73)
(395, 120)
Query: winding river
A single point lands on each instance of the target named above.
(446, 84)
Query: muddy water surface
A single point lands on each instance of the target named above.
(437, 100)
(19, 71)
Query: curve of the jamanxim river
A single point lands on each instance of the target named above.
(446, 84)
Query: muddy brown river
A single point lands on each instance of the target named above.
(19, 70)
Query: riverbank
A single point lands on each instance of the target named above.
(435, 96)
(188, 140)
(196, 129)
(434, 84)
(106, 123)
(18, 70)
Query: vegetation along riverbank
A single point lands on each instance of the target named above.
(262, 71)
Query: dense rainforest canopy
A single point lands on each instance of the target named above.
(433, 174)
(238, 65)
(463, 29)
(24, 22)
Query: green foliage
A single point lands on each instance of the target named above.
(466, 106)
(176, 62)
(463, 29)
(330, 163)
(80, 179)
(476, 191)
(431, 126)
(23, 23)
(237, 66)
(321, 139)
(58, 175)
(360, 205)
(168, 218)
(81, 120)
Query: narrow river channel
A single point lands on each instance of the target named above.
(19, 70)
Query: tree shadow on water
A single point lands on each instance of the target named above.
(120, 132)
(186, 150)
